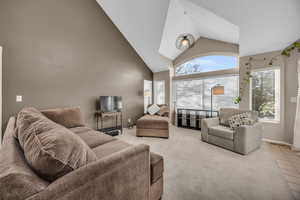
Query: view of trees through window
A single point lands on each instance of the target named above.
(207, 64)
(196, 93)
(265, 93)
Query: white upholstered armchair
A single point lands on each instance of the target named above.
(243, 139)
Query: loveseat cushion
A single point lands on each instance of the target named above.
(157, 166)
(49, 148)
(67, 117)
(91, 137)
(221, 131)
(153, 122)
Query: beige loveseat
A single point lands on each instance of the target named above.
(121, 172)
(154, 125)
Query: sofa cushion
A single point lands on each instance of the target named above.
(67, 117)
(153, 122)
(91, 137)
(49, 148)
(157, 167)
(221, 131)
(109, 148)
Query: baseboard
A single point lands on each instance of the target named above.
(295, 148)
(277, 142)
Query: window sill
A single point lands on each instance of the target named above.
(269, 121)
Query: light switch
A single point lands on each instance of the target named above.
(293, 100)
(19, 98)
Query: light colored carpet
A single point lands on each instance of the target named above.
(196, 170)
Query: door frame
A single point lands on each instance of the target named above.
(1, 51)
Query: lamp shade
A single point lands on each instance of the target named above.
(218, 90)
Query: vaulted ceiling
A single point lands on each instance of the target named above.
(151, 27)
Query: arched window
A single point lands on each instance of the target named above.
(195, 91)
(207, 64)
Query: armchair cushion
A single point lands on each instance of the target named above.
(50, 149)
(222, 132)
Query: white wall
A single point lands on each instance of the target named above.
(291, 86)
(272, 131)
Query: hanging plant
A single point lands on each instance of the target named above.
(247, 76)
(237, 100)
(287, 52)
(245, 81)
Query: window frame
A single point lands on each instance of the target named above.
(174, 92)
(277, 119)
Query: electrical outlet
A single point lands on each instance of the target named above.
(293, 99)
(19, 98)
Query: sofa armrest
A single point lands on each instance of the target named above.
(10, 130)
(123, 175)
(205, 124)
(248, 138)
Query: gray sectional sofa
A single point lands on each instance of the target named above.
(243, 139)
(121, 171)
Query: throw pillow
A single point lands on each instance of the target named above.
(164, 111)
(237, 120)
(248, 121)
(152, 110)
(67, 117)
(49, 148)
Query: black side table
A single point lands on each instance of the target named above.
(112, 131)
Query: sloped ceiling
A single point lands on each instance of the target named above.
(265, 25)
(151, 26)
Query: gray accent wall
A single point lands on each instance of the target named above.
(61, 53)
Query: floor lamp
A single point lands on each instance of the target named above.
(215, 90)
